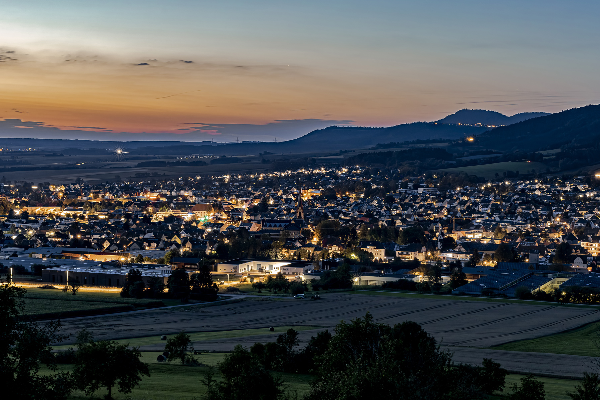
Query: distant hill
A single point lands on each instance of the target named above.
(333, 138)
(574, 128)
(487, 118)
(343, 138)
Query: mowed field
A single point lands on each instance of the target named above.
(584, 341)
(54, 303)
(467, 328)
(489, 171)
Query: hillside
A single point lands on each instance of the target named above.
(323, 140)
(487, 118)
(574, 128)
(329, 139)
(342, 138)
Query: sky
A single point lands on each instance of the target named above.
(273, 70)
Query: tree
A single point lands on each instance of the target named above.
(286, 354)
(277, 283)
(73, 287)
(563, 252)
(589, 388)
(222, 251)
(327, 228)
(297, 287)
(530, 389)
(448, 243)
(369, 360)
(258, 285)
(179, 347)
(105, 364)
(316, 347)
(203, 287)
(179, 284)
(24, 347)
(499, 233)
(434, 276)
(243, 378)
(170, 254)
(458, 277)
(6, 208)
(137, 289)
(475, 259)
(139, 259)
(156, 287)
(504, 253)
(414, 234)
(133, 276)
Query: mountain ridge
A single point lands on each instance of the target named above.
(575, 128)
(479, 117)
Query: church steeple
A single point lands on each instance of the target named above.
(300, 207)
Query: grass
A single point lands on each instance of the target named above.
(40, 302)
(489, 171)
(583, 341)
(44, 306)
(201, 336)
(177, 382)
(556, 388)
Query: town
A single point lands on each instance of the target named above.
(506, 238)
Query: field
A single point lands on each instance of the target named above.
(52, 303)
(177, 382)
(471, 330)
(489, 171)
(104, 174)
(157, 344)
(466, 328)
(584, 341)
(414, 295)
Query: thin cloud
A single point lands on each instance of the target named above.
(196, 132)
(177, 94)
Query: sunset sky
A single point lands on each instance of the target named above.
(259, 70)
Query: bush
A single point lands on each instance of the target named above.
(68, 356)
(243, 378)
(530, 389)
(589, 388)
(297, 288)
(178, 348)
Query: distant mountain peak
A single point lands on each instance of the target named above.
(487, 118)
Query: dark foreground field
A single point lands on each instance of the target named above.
(177, 382)
(468, 328)
(471, 330)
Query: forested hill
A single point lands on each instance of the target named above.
(487, 118)
(342, 138)
(575, 128)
